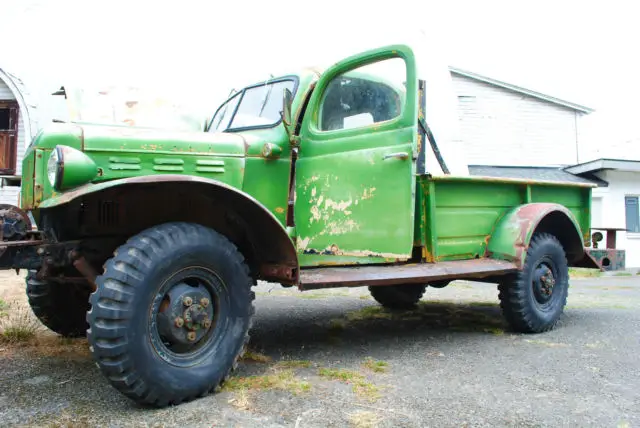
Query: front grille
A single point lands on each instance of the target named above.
(108, 213)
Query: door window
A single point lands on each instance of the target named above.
(364, 96)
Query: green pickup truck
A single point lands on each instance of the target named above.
(149, 241)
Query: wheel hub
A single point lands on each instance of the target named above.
(187, 317)
(543, 283)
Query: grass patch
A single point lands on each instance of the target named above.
(284, 380)
(361, 386)
(3, 306)
(375, 366)
(364, 419)
(255, 357)
(313, 296)
(337, 325)
(369, 313)
(623, 274)
(584, 273)
(18, 324)
(479, 317)
(461, 285)
(293, 364)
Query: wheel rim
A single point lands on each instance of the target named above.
(185, 315)
(544, 281)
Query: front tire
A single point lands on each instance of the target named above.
(533, 300)
(171, 314)
(62, 308)
(404, 296)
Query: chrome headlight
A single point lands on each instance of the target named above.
(55, 167)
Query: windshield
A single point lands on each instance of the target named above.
(254, 107)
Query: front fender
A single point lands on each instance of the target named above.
(87, 189)
(513, 232)
(275, 251)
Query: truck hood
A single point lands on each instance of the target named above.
(100, 138)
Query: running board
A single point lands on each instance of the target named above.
(352, 276)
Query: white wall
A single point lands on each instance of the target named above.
(5, 92)
(609, 201)
(503, 127)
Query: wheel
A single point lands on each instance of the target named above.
(171, 314)
(533, 300)
(62, 308)
(403, 296)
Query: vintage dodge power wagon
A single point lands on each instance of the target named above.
(149, 241)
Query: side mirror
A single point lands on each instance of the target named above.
(287, 100)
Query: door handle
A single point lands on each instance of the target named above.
(398, 155)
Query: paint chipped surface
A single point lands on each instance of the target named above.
(302, 243)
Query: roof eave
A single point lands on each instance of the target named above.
(521, 90)
(604, 164)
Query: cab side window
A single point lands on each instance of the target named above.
(367, 95)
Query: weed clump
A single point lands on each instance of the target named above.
(18, 324)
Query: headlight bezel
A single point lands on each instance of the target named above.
(57, 158)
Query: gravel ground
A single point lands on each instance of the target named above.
(451, 363)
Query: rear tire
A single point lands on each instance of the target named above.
(404, 296)
(152, 333)
(533, 299)
(62, 308)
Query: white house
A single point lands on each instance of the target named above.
(510, 131)
(616, 205)
(17, 126)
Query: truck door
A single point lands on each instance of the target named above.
(355, 173)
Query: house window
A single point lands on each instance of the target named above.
(8, 137)
(632, 214)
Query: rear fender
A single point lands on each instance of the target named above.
(127, 206)
(513, 232)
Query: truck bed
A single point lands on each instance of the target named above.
(457, 215)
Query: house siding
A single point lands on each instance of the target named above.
(5, 92)
(21, 145)
(9, 195)
(608, 210)
(502, 127)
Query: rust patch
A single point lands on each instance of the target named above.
(333, 250)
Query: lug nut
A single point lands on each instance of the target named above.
(179, 322)
(191, 336)
(206, 323)
(204, 302)
(187, 301)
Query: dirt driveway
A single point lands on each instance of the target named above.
(335, 359)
